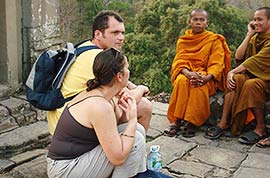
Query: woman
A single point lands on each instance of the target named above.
(88, 142)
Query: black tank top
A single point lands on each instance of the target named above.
(71, 139)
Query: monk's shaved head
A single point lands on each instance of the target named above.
(267, 11)
(198, 11)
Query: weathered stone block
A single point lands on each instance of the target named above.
(3, 111)
(5, 165)
(28, 156)
(16, 105)
(4, 91)
(7, 123)
(216, 104)
(24, 138)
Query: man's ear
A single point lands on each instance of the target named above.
(98, 34)
(189, 22)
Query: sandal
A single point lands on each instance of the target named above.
(264, 143)
(250, 137)
(214, 132)
(189, 130)
(171, 131)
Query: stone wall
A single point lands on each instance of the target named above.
(41, 29)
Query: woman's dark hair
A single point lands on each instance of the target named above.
(106, 65)
(101, 21)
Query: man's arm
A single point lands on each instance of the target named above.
(230, 82)
(137, 91)
(240, 52)
(131, 85)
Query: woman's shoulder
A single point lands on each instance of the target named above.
(90, 102)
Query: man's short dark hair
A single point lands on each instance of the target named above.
(101, 20)
(267, 11)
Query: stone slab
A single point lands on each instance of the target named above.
(251, 173)
(27, 156)
(157, 126)
(7, 123)
(4, 111)
(170, 148)
(36, 168)
(24, 134)
(16, 105)
(4, 90)
(257, 160)
(221, 173)
(160, 108)
(219, 157)
(5, 165)
(191, 168)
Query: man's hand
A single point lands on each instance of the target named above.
(230, 82)
(198, 79)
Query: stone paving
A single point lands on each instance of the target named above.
(23, 146)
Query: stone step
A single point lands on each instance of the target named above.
(24, 139)
(29, 164)
(4, 91)
(17, 112)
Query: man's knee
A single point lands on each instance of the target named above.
(145, 106)
(252, 83)
(181, 79)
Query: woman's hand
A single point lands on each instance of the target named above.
(128, 104)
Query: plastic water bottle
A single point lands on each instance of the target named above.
(154, 161)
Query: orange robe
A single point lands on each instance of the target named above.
(253, 85)
(206, 53)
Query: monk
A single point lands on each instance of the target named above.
(198, 70)
(248, 83)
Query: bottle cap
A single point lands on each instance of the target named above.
(154, 148)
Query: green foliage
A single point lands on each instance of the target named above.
(151, 48)
(77, 16)
(152, 29)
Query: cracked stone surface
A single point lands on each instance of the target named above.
(195, 157)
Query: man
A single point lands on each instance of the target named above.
(107, 32)
(248, 83)
(202, 60)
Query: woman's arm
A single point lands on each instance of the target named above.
(116, 147)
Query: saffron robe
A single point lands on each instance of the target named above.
(207, 53)
(251, 86)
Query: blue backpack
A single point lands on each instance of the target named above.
(45, 79)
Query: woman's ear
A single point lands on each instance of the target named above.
(119, 77)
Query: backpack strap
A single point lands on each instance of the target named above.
(79, 51)
(78, 44)
(82, 49)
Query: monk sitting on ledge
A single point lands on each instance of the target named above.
(199, 69)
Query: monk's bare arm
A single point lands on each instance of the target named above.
(230, 82)
(240, 52)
